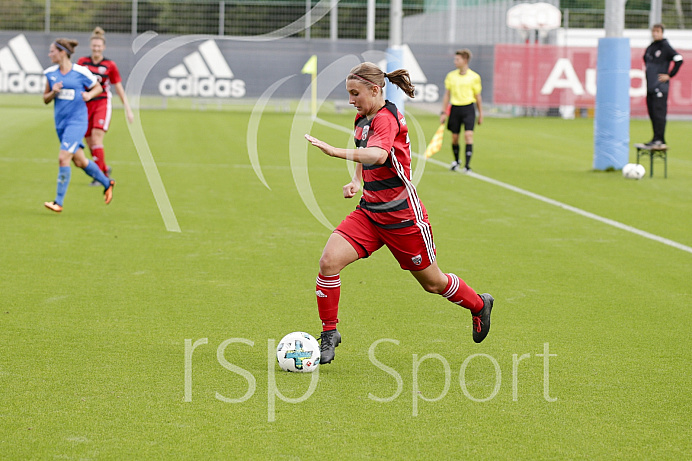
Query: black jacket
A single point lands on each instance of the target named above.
(657, 59)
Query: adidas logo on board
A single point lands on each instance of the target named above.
(425, 92)
(203, 73)
(20, 70)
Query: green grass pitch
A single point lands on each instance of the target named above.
(589, 356)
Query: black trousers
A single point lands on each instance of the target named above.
(657, 105)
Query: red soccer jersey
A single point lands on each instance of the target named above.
(389, 197)
(105, 71)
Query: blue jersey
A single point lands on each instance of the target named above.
(69, 105)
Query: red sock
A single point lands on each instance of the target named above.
(328, 290)
(460, 293)
(98, 156)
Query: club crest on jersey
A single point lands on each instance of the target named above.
(657, 53)
(366, 130)
(417, 260)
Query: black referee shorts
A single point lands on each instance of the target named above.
(459, 115)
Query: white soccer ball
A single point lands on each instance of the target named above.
(633, 171)
(298, 352)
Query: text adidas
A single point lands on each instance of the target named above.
(205, 87)
(20, 82)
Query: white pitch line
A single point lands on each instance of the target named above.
(576, 210)
(547, 200)
(332, 125)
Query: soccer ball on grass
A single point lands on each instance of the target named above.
(298, 352)
(633, 171)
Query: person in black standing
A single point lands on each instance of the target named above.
(657, 59)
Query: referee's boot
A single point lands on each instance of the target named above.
(481, 320)
(329, 340)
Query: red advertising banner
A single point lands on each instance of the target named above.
(551, 76)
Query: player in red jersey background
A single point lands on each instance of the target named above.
(100, 108)
(389, 213)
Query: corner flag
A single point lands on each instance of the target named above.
(436, 142)
(310, 67)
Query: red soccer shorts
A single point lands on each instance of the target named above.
(100, 111)
(412, 246)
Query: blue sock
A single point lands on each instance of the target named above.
(64, 174)
(92, 169)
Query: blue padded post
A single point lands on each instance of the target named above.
(612, 120)
(395, 60)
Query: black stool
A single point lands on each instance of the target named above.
(656, 150)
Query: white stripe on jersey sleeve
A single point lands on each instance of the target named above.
(86, 72)
(51, 69)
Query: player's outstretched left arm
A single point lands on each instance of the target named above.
(369, 155)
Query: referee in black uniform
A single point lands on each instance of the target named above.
(657, 59)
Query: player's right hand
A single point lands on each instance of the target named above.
(351, 189)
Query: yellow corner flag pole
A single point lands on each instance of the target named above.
(436, 142)
(310, 67)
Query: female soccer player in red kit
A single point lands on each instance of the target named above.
(389, 213)
(100, 108)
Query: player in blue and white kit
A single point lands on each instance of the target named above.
(70, 86)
